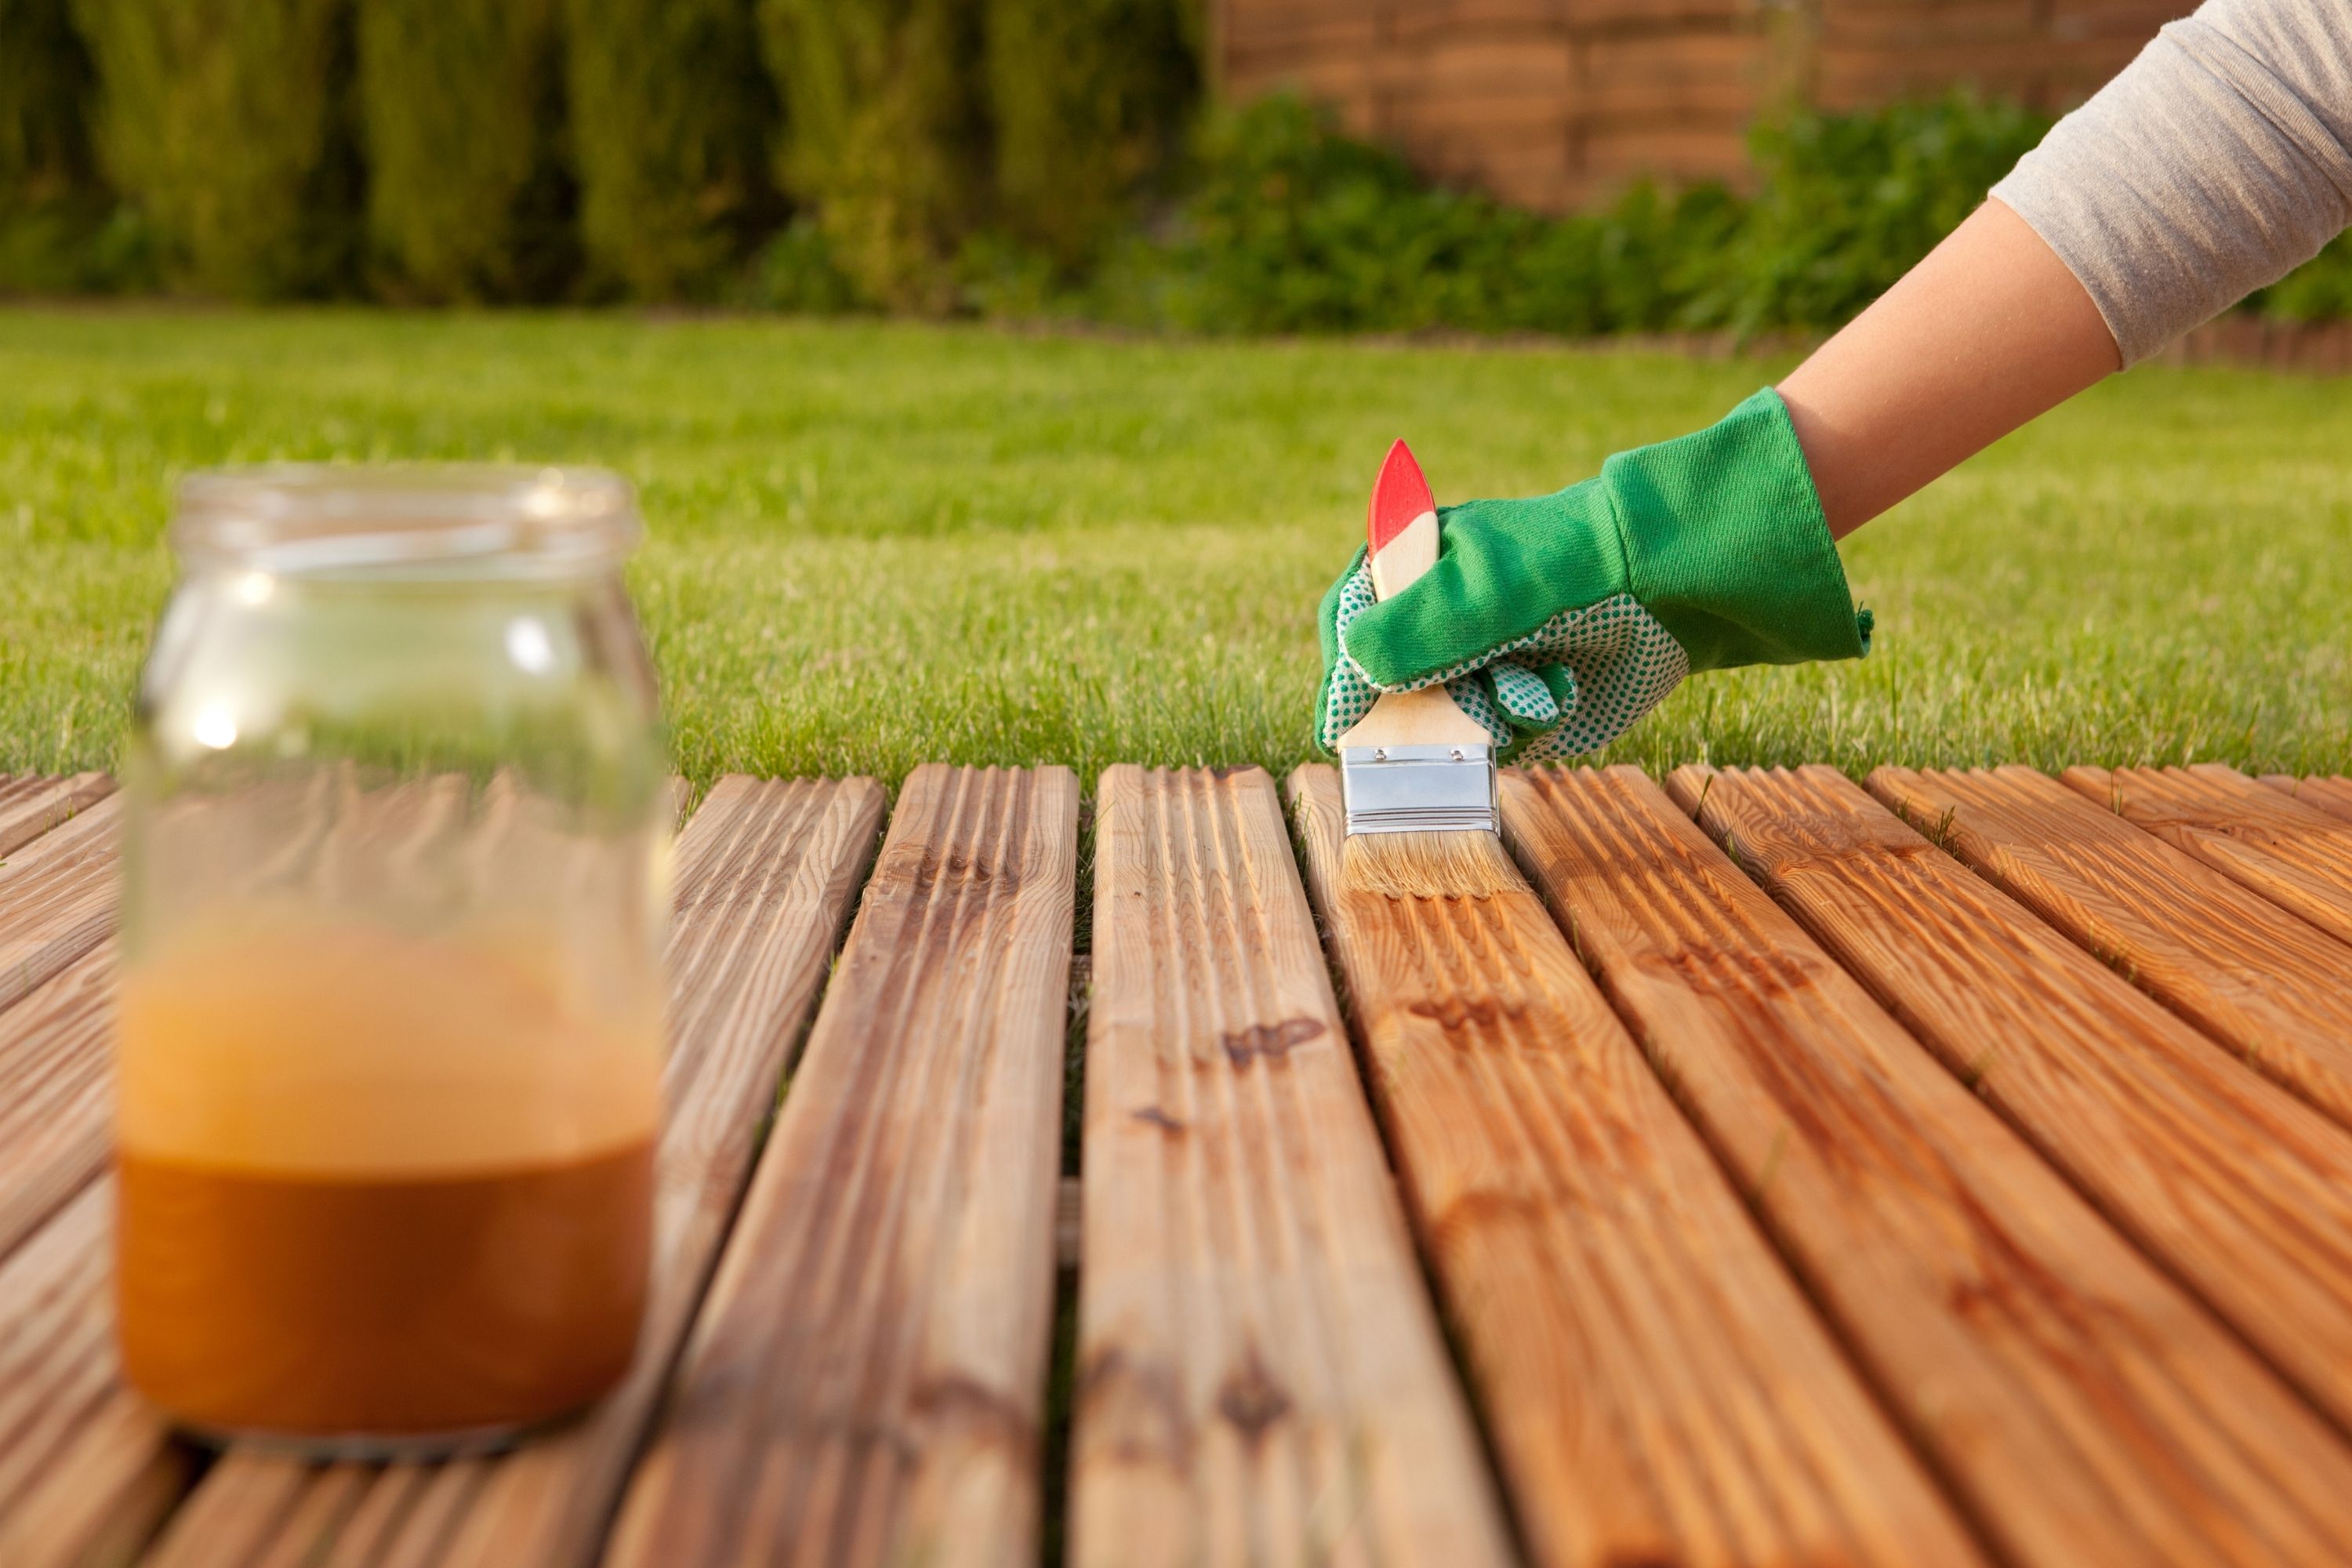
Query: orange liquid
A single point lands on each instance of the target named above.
(418, 1306)
(376, 1184)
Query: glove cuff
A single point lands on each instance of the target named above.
(1726, 544)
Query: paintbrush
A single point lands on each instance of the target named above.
(1416, 773)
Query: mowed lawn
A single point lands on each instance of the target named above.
(872, 545)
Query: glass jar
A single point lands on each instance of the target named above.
(388, 1077)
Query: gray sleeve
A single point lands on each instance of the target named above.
(2221, 159)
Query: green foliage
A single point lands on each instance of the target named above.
(886, 135)
(795, 273)
(1290, 227)
(1088, 97)
(1850, 202)
(461, 107)
(224, 120)
(54, 210)
(672, 115)
(45, 81)
(2318, 290)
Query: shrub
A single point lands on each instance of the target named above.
(884, 135)
(672, 115)
(794, 272)
(460, 104)
(2318, 290)
(1849, 203)
(1086, 96)
(224, 120)
(1291, 226)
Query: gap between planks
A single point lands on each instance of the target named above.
(766, 876)
(2082, 1406)
(2266, 984)
(1657, 1388)
(1260, 1376)
(2238, 1188)
(864, 1384)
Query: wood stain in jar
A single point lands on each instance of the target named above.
(376, 1185)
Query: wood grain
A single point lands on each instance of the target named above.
(54, 1100)
(1261, 1378)
(766, 873)
(2330, 794)
(2238, 1188)
(2264, 982)
(30, 804)
(866, 1382)
(2291, 852)
(2083, 1407)
(1656, 1388)
(86, 1471)
(57, 898)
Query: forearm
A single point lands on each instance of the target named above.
(2218, 160)
(1988, 332)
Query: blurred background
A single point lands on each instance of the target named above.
(995, 373)
(1562, 166)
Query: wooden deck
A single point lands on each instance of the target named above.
(1953, 1169)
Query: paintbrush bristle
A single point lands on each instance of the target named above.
(1427, 866)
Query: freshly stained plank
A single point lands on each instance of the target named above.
(2243, 1190)
(86, 1471)
(2270, 986)
(765, 877)
(1657, 1388)
(30, 806)
(1260, 1376)
(864, 1386)
(2289, 851)
(2084, 1407)
(57, 898)
(2330, 794)
(53, 1104)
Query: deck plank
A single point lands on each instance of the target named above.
(1261, 1378)
(1657, 1388)
(2291, 852)
(766, 874)
(2332, 796)
(86, 1471)
(31, 805)
(55, 1101)
(2239, 1189)
(57, 898)
(865, 1384)
(2083, 1406)
(2264, 982)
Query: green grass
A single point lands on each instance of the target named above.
(875, 544)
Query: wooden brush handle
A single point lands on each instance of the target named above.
(1400, 532)
(1401, 540)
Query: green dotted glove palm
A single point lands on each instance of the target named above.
(1557, 621)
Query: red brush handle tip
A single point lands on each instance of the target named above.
(1399, 496)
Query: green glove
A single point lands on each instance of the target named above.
(1556, 622)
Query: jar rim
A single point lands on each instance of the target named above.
(372, 518)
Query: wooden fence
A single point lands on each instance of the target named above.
(1555, 104)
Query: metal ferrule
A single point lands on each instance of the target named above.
(1420, 789)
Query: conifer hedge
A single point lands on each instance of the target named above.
(1088, 97)
(672, 117)
(461, 111)
(886, 135)
(44, 82)
(226, 121)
